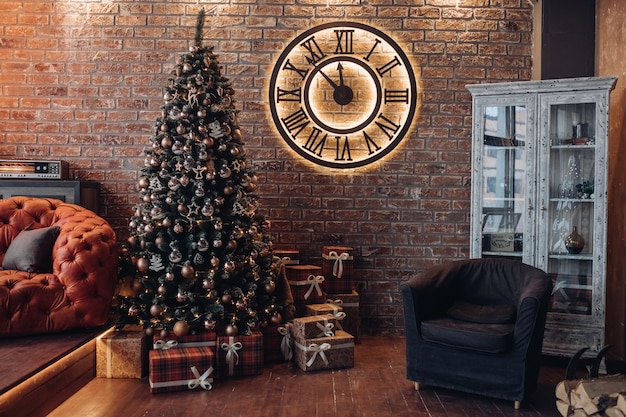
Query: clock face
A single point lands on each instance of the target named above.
(343, 94)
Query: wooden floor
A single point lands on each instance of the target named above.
(375, 387)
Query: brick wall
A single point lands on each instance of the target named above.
(82, 82)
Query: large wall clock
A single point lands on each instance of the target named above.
(343, 94)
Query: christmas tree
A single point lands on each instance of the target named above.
(200, 253)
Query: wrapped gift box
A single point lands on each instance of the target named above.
(240, 355)
(349, 302)
(183, 368)
(337, 269)
(200, 339)
(325, 352)
(312, 327)
(288, 256)
(122, 354)
(306, 283)
(277, 343)
(328, 309)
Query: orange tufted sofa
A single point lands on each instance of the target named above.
(78, 293)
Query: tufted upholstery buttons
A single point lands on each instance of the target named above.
(79, 291)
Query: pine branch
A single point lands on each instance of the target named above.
(199, 26)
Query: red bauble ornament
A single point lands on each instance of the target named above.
(144, 182)
(226, 299)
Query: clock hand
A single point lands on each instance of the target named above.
(331, 82)
(340, 69)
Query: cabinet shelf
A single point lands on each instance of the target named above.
(557, 166)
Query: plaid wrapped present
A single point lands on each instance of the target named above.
(240, 355)
(313, 327)
(306, 285)
(180, 369)
(205, 338)
(328, 309)
(277, 343)
(122, 354)
(337, 269)
(288, 256)
(325, 352)
(350, 304)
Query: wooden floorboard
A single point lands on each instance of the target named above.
(376, 386)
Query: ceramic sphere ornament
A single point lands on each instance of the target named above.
(209, 325)
(276, 319)
(188, 271)
(156, 310)
(181, 328)
(231, 330)
(143, 264)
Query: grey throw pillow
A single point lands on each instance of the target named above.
(31, 250)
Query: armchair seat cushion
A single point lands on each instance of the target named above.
(488, 338)
(478, 313)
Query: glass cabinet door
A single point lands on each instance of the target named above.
(501, 207)
(572, 217)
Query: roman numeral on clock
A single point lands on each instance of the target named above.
(316, 141)
(388, 127)
(388, 66)
(397, 96)
(289, 66)
(344, 41)
(315, 52)
(295, 122)
(343, 149)
(288, 95)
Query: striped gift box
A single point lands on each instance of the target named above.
(240, 355)
(200, 339)
(306, 283)
(277, 343)
(185, 368)
(337, 269)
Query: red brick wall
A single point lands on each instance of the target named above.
(82, 82)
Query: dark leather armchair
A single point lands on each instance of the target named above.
(477, 326)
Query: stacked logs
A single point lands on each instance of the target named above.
(597, 397)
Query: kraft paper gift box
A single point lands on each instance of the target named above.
(288, 256)
(337, 269)
(350, 304)
(240, 355)
(180, 369)
(325, 352)
(200, 339)
(312, 327)
(277, 343)
(305, 282)
(328, 309)
(122, 354)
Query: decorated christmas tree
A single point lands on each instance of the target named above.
(199, 254)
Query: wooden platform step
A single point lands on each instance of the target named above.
(40, 372)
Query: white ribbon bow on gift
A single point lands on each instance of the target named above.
(315, 348)
(337, 301)
(201, 380)
(315, 282)
(326, 328)
(163, 345)
(285, 343)
(338, 265)
(339, 315)
(231, 349)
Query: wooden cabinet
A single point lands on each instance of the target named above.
(83, 193)
(539, 194)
